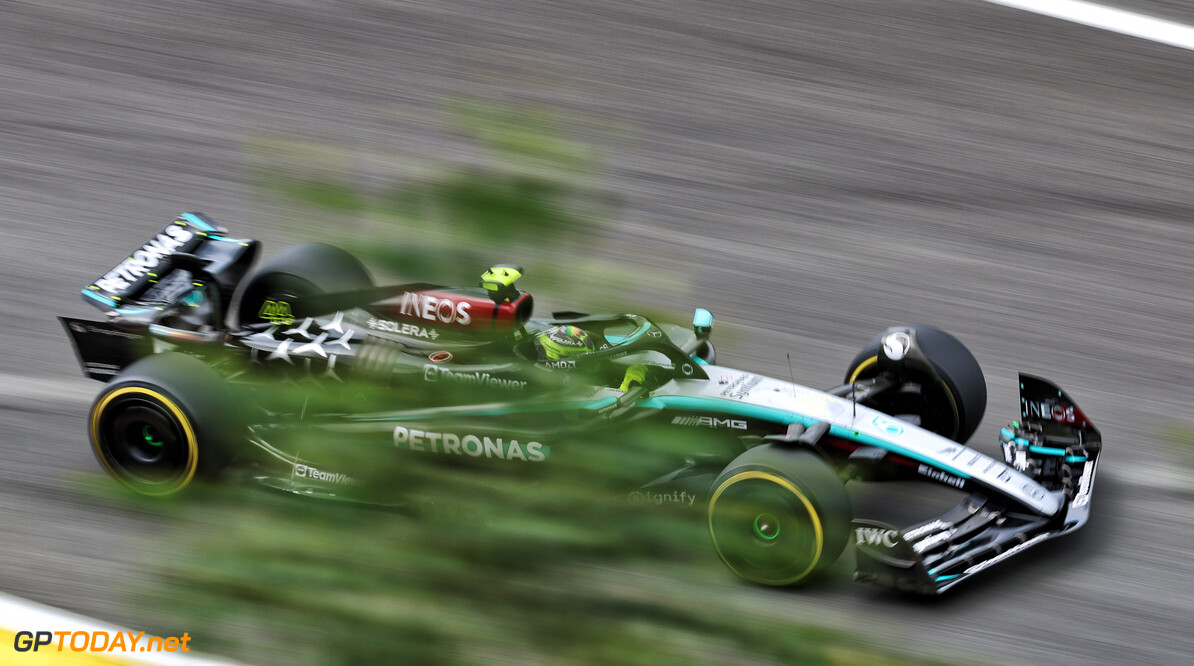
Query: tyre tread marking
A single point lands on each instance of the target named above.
(192, 442)
(790, 487)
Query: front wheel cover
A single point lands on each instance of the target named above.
(144, 439)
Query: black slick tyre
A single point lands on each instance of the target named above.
(303, 270)
(950, 397)
(160, 423)
(778, 516)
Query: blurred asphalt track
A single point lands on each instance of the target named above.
(817, 170)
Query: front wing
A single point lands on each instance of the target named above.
(1056, 443)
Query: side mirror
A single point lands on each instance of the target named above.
(702, 323)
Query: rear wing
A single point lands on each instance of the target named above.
(146, 281)
(186, 273)
(1054, 443)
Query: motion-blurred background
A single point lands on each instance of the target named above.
(810, 171)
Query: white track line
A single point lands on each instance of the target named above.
(21, 389)
(1106, 18)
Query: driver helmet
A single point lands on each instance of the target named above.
(559, 342)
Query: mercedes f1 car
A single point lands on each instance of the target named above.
(194, 348)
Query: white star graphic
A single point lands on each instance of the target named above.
(334, 324)
(315, 345)
(281, 352)
(301, 330)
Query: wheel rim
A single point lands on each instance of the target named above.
(765, 528)
(142, 437)
(144, 440)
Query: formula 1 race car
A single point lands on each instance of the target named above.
(194, 355)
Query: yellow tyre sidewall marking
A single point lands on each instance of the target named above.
(790, 487)
(953, 403)
(861, 367)
(192, 442)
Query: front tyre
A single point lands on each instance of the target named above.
(161, 422)
(940, 387)
(778, 516)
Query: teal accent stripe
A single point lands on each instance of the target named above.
(700, 361)
(697, 404)
(1007, 433)
(195, 220)
(607, 401)
(225, 239)
(1047, 450)
(693, 404)
(1075, 459)
(91, 294)
(949, 577)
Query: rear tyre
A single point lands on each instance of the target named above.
(303, 270)
(161, 422)
(778, 516)
(949, 397)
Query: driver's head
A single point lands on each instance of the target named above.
(560, 342)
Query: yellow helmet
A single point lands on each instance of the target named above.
(559, 342)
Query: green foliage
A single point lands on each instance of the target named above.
(325, 196)
(525, 136)
(479, 568)
(1180, 443)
